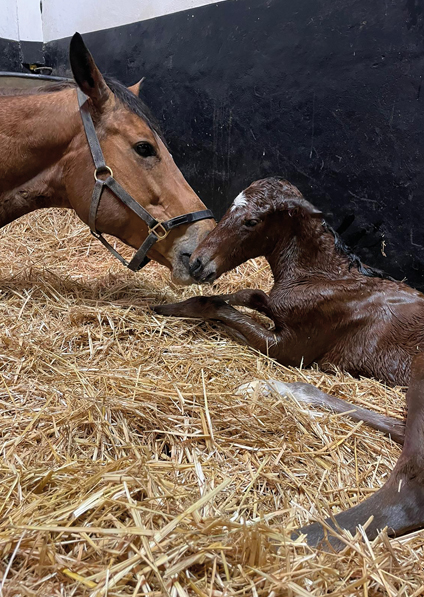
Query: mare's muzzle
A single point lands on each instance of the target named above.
(201, 271)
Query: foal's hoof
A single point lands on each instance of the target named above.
(254, 387)
(197, 307)
(318, 537)
(193, 307)
(300, 392)
(170, 309)
(265, 388)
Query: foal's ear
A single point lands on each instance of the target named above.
(135, 89)
(314, 212)
(86, 74)
(301, 206)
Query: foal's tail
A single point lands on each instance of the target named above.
(399, 504)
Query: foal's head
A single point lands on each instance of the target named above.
(265, 215)
(136, 153)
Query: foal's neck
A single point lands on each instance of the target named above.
(35, 133)
(311, 251)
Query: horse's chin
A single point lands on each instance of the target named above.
(180, 271)
(180, 274)
(183, 281)
(181, 277)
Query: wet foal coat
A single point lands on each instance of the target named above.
(327, 308)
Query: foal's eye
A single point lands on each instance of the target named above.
(145, 150)
(251, 223)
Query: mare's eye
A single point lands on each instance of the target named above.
(251, 223)
(145, 150)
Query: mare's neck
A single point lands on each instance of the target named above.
(35, 133)
(311, 251)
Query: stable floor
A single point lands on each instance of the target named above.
(130, 466)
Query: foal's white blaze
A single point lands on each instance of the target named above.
(239, 201)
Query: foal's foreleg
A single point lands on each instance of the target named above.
(215, 308)
(309, 394)
(250, 298)
(399, 504)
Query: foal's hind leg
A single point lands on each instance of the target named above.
(309, 394)
(399, 504)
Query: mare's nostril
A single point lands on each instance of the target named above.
(195, 268)
(185, 258)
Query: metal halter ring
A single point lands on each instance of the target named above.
(101, 170)
(163, 231)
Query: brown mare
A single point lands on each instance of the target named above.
(330, 309)
(46, 161)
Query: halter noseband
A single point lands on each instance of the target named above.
(157, 230)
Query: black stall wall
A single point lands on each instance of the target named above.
(324, 92)
(10, 55)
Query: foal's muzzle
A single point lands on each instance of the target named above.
(203, 273)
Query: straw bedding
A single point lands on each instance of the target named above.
(130, 465)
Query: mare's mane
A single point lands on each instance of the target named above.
(122, 93)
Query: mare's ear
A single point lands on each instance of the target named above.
(86, 74)
(135, 89)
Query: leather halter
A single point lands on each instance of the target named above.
(157, 230)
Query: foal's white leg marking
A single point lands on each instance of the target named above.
(239, 201)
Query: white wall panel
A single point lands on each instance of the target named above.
(29, 20)
(21, 20)
(9, 19)
(61, 18)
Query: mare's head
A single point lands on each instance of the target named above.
(136, 153)
(265, 215)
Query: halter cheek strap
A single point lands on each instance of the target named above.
(157, 231)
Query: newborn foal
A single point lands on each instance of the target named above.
(327, 308)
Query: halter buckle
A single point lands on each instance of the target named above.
(102, 170)
(163, 231)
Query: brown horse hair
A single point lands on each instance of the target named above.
(134, 103)
(341, 247)
(46, 162)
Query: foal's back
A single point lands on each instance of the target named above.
(364, 325)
